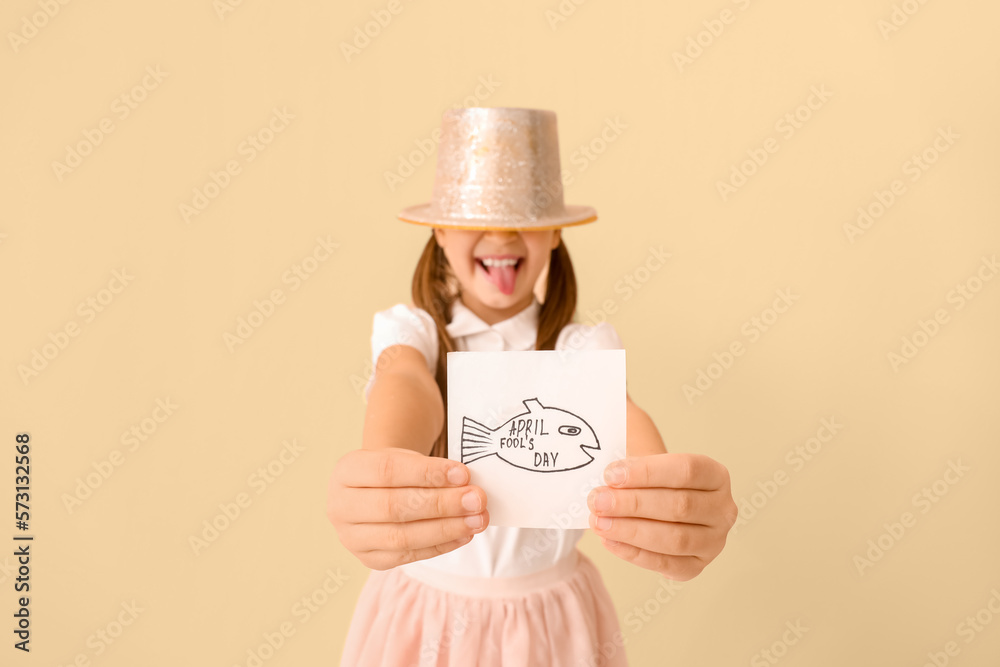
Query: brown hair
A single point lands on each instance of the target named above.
(435, 288)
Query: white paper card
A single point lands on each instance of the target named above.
(537, 429)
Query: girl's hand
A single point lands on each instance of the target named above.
(393, 506)
(669, 513)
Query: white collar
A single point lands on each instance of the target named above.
(520, 331)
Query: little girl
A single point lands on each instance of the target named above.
(446, 587)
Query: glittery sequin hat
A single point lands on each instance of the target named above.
(498, 168)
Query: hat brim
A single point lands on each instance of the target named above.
(575, 215)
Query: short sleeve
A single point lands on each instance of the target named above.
(600, 336)
(403, 325)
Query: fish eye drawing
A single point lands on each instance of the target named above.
(543, 439)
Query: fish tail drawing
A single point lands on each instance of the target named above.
(477, 441)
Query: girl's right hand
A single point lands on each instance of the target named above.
(393, 506)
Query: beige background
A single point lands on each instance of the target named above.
(297, 377)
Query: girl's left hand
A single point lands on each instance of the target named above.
(669, 513)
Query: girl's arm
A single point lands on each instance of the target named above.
(391, 502)
(643, 437)
(669, 513)
(404, 405)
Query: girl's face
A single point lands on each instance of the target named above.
(497, 269)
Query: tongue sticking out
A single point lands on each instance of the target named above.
(503, 277)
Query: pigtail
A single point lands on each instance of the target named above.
(560, 298)
(435, 288)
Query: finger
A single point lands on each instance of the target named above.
(413, 503)
(678, 568)
(384, 560)
(675, 471)
(677, 505)
(412, 535)
(674, 539)
(395, 466)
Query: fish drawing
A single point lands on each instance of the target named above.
(543, 439)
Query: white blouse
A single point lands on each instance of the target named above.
(498, 551)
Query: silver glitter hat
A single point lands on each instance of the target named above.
(498, 168)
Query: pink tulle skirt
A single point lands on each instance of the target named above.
(419, 617)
